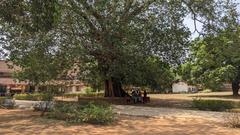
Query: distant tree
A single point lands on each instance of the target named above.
(214, 60)
(158, 75)
(113, 38)
(26, 29)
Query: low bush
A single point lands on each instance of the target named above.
(93, 113)
(212, 105)
(33, 96)
(232, 119)
(88, 90)
(7, 102)
(93, 94)
(2, 100)
(70, 95)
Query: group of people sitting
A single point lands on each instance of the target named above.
(137, 96)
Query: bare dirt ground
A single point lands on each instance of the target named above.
(26, 122)
(185, 100)
(179, 100)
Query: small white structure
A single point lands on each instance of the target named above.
(183, 87)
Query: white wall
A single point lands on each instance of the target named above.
(179, 87)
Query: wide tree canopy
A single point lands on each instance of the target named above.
(115, 40)
(215, 60)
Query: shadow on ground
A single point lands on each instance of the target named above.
(30, 123)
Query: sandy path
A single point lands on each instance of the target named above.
(23, 122)
(168, 112)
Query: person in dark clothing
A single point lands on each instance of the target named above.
(134, 96)
(144, 96)
(144, 93)
(140, 98)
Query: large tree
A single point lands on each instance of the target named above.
(112, 38)
(215, 60)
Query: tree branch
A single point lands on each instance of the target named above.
(76, 9)
(136, 11)
(195, 19)
(99, 18)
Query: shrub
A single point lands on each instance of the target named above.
(70, 95)
(43, 106)
(232, 120)
(88, 90)
(89, 113)
(93, 94)
(33, 96)
(7, 102)
(212, 105)
(206, 91)
(2, 100)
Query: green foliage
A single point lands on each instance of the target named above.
(92, 77)
(213, 61)
(206, 91)
(214, 58)
(88, 90)
(33, 96)
(38, 16)
(125, 39)
(46, 95)
(153, 73)
(89, 113)
(92, 94)
(2, 100)
(158, 78)
(212, 105)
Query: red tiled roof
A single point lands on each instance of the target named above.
(10, 81)
(5, 68)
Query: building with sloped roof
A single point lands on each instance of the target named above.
(7, 82)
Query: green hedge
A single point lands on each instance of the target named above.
(94, 94)
(94, 113)
(33, 96)
(212, 105)
(43, 96)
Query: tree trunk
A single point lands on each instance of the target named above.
(113, 88)
(235, 87)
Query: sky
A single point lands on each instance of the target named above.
(190, 23)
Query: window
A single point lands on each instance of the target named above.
(4, 74)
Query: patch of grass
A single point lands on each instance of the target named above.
(32, 97)
(206, 91)
(94, 113)
(212, 105)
